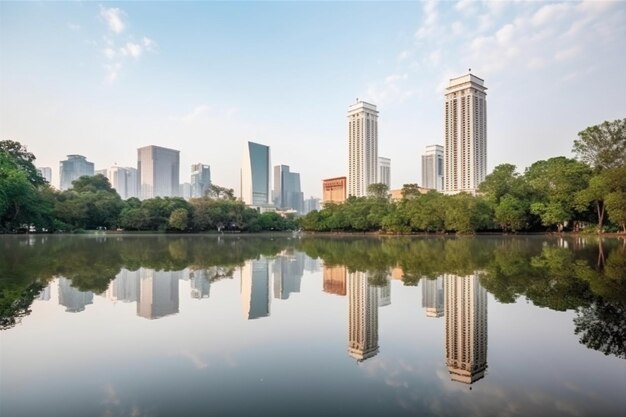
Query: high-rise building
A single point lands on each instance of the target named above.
(158, 293)
(362, 317)
(74, 167)
(466, 327)
(432, 297)
(287, 193)
(465, 134)
(311, 204)
(432, 168)
(124, 180)
(384, 171)
(184, 190)
(158, 171)
(255, 175)
(255, 289)
(287, 271)
(71, 298)
(46, 173)
(334, 190)
(362, 147)
(125, 287)
(200, 180)
(102, 172)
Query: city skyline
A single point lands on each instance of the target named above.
(92, 73)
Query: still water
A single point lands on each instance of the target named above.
(319, 326)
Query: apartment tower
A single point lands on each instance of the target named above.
(362, 147)
(432, 168)
(465, 134)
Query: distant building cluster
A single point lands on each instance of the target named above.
(459, 165)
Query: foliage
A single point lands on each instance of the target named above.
(602, 146)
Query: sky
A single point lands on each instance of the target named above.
(102, 79)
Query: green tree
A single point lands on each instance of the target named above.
(378, 190)
(510, 213)
(503, 180)
(616, 208)
(602, 146)
(178, 219)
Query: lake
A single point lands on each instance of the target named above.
(158, 325)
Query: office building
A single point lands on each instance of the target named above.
(255, 175)
(200, 180)
(432, 168)
(311, 204)
(74, 167)
(465, 152)
(362, 317)
(158, 171)
(362, 147)
(334, 190)
(384, 171)
(466, 327)
(184, 190)
(433, 296)
(287, 192)
(255, 289)
(46, 173)
(123, 180)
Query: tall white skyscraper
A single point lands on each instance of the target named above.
(200, 180)
(362, 317)
(255, 175)
(74, 167)
(158, 171)
(124, 180)
(466, 327)
(362, 147)
(465, 134)
(432, 167)
(384, 171)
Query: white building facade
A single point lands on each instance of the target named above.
(200, 180)
(362, 147)
(74, 167)
(433, 168)
(124, 180)
(384, 171)
(158, 171)
(465, 134)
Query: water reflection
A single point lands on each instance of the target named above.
(466, 327)
(433, 297)
(71, 298)
(362, 317)
(255, 289)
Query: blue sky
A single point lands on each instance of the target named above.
(101, 79)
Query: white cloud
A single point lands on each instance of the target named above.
(429, 21)
(131, 49)
(403, 55)
(112, 71)
(566, 54)
(457, 28)
(465, 6)
(435, 57)
(109, 53)
(548, 13)
(73, 26)
(148, 43)
(113, 18)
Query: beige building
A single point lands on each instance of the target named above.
(465, 305)
(396, 195)
(465, 153)
(362, 147)
(334, 190)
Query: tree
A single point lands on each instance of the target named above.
(510, 213)
(503, 180)
(378, 190)
(616, 207)
(178, 219)
(216, 191)
(410, 191)
(602, 146)
(17, 155)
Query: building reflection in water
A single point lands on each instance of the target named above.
(362, 317)
(287, 271)
(433, 296)
(384, 294)
(125, 287)
(335, 279)
(158, 293)
(200, 283)
(44, 295)
(72, 299)
(255, 289)
(466, 327)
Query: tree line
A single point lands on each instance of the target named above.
(551, 195)
(29, 203)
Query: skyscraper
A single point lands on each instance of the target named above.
(466, 328)
(255, 175)
(255, 289)
(384, 171)
(46, 173)
(287, 193)
(362, 147)
(465, 134)
(362, 317)
(124, 180)
(158, 293)
(200, 180)
(158, 171)
(311, 204)
(73, 168)
(432, 167)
